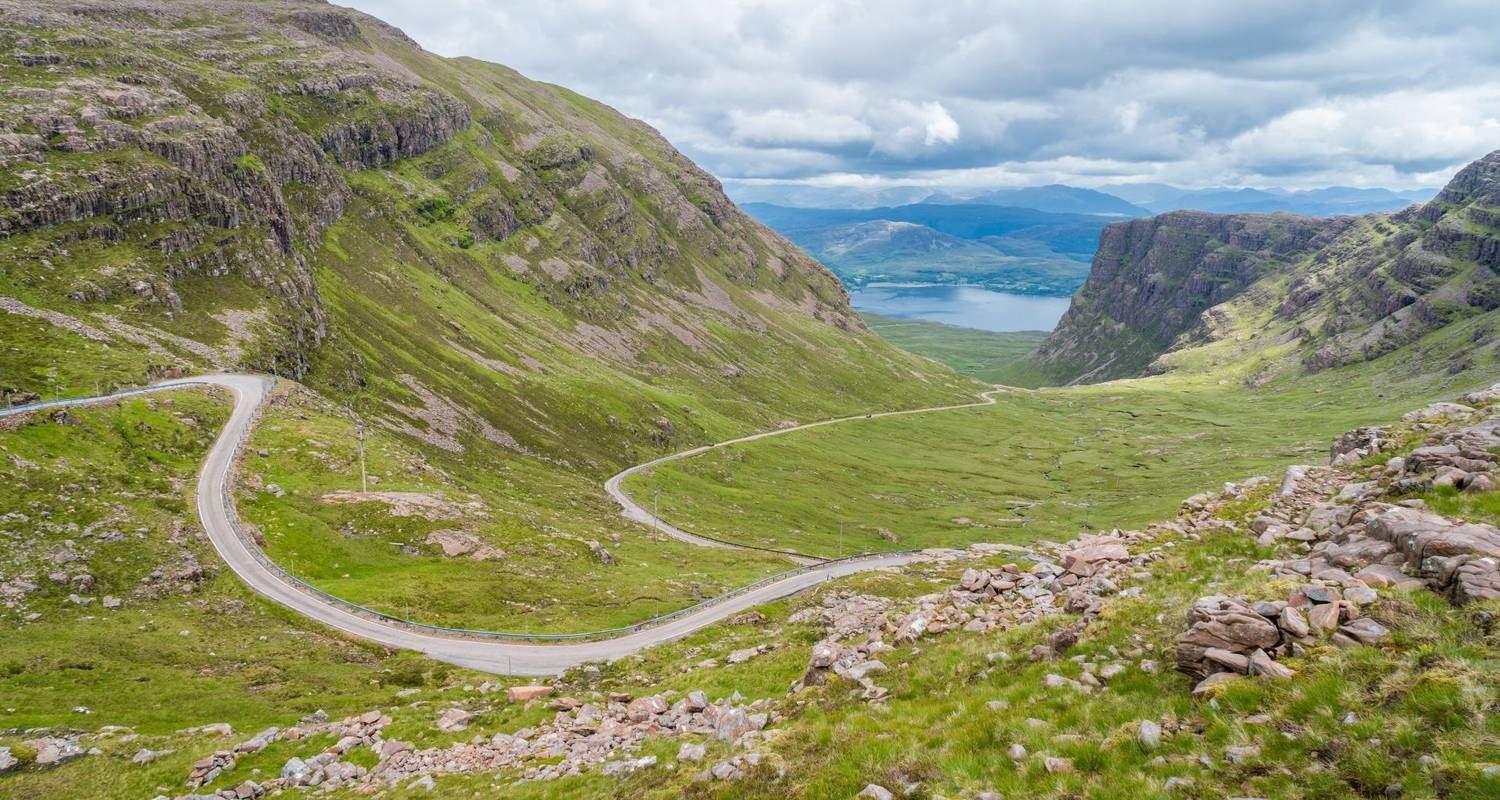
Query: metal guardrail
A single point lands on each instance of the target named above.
(61, 402)
(232, 514)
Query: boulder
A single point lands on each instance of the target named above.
(1436, 411)
(1262, 664)
(1364, 630)
(1420, 533)
(454, 719)
(1088, 553)
(521, 694)
(1148, 735)
(1483, 397)
(1221, 623)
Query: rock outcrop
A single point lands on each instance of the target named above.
(1343, 289)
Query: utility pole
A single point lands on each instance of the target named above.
(655, 507)
(359, 430)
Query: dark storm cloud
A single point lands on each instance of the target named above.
(964, 93)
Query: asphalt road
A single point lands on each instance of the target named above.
(504, 657)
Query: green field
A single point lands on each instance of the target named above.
(1037, 465)
(989, 356)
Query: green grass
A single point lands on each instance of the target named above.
(548, 579)
(1045, 464)
(989, 356)
(128, 469)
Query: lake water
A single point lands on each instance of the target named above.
(966, 306)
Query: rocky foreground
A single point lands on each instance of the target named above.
(1343, 534)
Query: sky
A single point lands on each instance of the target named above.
(956, 95)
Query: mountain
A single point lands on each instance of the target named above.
(288, 186)
(883, 251)
(1015, 249)
(1060, 199)
(1330, 201)
(1311, 293)
(804, 196)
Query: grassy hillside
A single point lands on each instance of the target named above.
(1297, 294)
(516, 289)
(1037, 465)
(989, 356)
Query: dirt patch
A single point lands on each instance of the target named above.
(14, 306)
(455, 544)
(411, 504)
(445, 421)
(239, 324)
(483, 360)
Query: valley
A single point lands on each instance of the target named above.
(375, 422)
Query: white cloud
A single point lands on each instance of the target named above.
(779, 126)
(1275, 92)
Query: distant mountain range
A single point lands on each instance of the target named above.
(1332, 201)
(1006, 248)
(1033, 240)
(1123, 199)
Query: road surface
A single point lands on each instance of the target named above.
(487, 654)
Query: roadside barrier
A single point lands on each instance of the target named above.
(231, 512)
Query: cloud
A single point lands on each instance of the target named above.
(1275, 92)
(779, 126)
(908, 128)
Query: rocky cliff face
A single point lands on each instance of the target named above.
(1335, 291)
(288, 185)
(1153, 278)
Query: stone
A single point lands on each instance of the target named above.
(1436, 411)
(295, 770)
(1088, 553)
(1291, 620)
(876, 792)
(1365, 630)
(1479, 483)
(1017, 752)
(1224, 658)
(1241, 754)
(453, 720)
(691, 751)
(1317, 593)
(1207, 684)
(1324, 617)
(521, 694)
(9, 762)
(1360, 596)
(743, 655)
(424, 783)
(1225, 624)
(1262, 664)
(1148, 735)
(1057, 766)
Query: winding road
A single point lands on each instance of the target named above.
(217, 515)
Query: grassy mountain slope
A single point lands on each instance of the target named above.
(518, 289)
(1291, 293)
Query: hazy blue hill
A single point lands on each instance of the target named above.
(1326, 202)
(1062, 199)
(1007, 248)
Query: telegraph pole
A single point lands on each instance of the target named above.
(364, 484)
